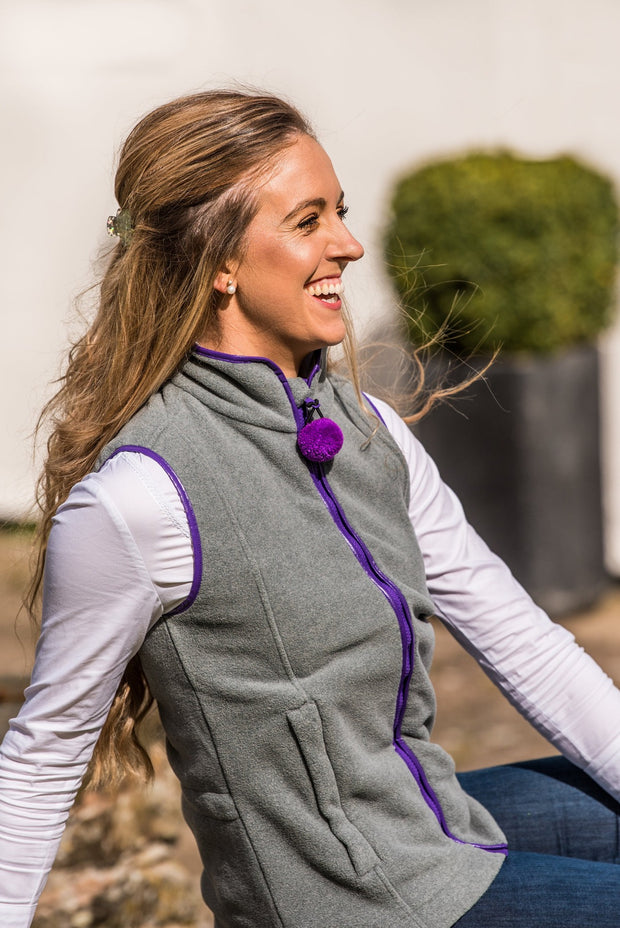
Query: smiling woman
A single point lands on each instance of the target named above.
(227, 529)
(287, 284)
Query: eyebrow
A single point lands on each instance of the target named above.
(319, 202)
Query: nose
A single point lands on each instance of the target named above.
(356, 249)
(344, 246)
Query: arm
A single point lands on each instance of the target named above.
(534, 661)
(119, 556)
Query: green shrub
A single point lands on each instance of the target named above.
(503, 251)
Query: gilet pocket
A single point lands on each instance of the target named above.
(218, 806)
(308, 730)
(233, 884)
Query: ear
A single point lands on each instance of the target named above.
(223, 279)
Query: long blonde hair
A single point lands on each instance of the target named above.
(185, 177)
(187, 180)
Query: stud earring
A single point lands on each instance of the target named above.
(230, 289)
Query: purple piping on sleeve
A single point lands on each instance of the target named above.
(191, 521)
(374, 408)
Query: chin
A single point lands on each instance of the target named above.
(335, 337)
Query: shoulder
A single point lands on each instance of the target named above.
(145, 489)
(126, 506)
(398, 429)
(135, 491)
(156, 425)
(130, 519)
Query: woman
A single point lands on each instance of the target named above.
(235, 516)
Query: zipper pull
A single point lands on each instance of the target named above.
(320, 439)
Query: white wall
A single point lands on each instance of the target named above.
(386, 83)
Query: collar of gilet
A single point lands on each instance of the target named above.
(254, 389)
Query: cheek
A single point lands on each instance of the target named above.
(262, 268)
(284, 262)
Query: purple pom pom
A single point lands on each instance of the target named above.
(320, 440)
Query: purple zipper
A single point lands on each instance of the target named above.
(401, 608)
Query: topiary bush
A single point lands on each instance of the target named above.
(493, 250)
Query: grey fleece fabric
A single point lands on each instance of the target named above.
(278, 686)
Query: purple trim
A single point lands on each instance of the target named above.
(191, 521)
(401, 608)
(315, 368)
(405, 752)
(374, 408)
(249, 359)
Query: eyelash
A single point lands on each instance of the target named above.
(309, 222)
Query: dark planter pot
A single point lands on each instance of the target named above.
(521, 450)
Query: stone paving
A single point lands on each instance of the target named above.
(129, 861)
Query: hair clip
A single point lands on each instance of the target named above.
(121, 225)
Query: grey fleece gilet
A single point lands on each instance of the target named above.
(293, 686)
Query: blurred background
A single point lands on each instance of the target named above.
(387, 86)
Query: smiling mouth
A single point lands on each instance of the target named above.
(327, 290)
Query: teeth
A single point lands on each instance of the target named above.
(325, 288)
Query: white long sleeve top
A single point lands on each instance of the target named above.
(120, 556)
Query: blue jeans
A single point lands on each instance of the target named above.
(564, 838)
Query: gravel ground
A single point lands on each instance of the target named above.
(475, 723)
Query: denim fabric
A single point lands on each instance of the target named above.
(563, 833)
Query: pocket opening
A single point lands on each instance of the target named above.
(307, 728)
